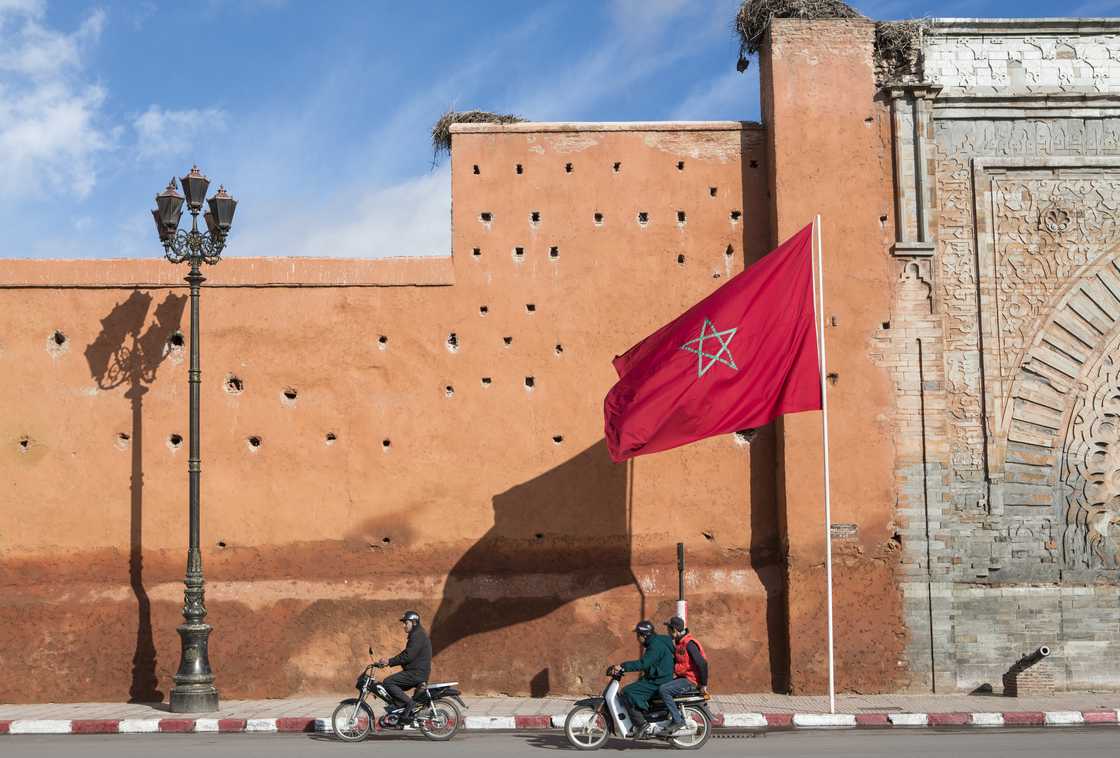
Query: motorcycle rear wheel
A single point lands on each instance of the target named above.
(352, 720)
(586, 727)
(443, 724)
(701, 726)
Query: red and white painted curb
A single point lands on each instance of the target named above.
(756, 721)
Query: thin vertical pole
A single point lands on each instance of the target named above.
(827, 490)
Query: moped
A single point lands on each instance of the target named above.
(435, 713)
(592, 720)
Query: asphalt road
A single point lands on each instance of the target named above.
(920, 743)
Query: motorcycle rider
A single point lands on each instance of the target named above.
(415, 662)
(656, 665)
(690, 669)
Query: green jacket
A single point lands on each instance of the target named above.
(656, 663)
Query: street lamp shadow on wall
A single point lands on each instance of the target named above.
(194, 690)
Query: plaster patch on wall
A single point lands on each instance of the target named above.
(715, 146)
(571, 142)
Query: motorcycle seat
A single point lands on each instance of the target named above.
(442, 684)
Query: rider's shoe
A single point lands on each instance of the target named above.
(643, 731)
(676, 728)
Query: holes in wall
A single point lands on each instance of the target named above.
(538, 536)
(729, 253)
(453, 343)
(680, 259)
(530, 382)
(554, 252)
(222, 544)
(176, 341)
(643, 218)
(487, 381)
(886, 325)
(558, 439)
(24, 444)
(519, 253)
(234, 385)
(123, 441)
(518, 169)
(535, 218)
(175, 441)
(330, 438)
(833, 377)
(753, 163)
(680, 165)
(57, 343)
(483, 310)
(708, 535)
(475, 169)
(507, 340)
(713, 191)
(382, 342)
(288, 396)
(682, 219)
(617, 166)
(735, 216)
(598, 219)
(476, 252)
(530, 307)
(568, 168)
(386, 541)
(385, 445)
(448, 391)
(486, 217)
(254, 443)
(559, 349)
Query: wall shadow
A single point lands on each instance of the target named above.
(571, 522)
(766, 552)
(124, 354)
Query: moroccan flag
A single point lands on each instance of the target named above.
(738, 359)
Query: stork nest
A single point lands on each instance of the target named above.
(898, 47)
(754, 19)
(441, 131)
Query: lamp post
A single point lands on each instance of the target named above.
(194, 690)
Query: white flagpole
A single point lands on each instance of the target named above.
(827, 493)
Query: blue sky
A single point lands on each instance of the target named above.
(316, 115)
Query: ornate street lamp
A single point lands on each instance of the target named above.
(194, 690)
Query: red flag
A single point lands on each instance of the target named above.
(738, 359)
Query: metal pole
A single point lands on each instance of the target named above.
(827, 492)
(682, 606)
(194, 690)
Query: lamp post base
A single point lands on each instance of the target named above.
(194, 690)
(194, 698)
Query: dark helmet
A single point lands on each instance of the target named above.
(412, 616)
(644, 628)
(676, 624)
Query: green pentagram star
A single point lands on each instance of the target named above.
(709, 332)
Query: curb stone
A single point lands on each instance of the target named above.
(748, 721)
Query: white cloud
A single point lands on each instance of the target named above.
(729, 95)
(50, 128)
(167, 134)
(411, 218)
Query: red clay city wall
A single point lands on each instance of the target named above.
(379, 435)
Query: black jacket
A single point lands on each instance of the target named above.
(417, 653)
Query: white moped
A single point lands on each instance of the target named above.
(592, 720)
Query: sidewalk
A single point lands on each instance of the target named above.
(765, 711)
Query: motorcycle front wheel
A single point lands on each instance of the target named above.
(699, 729)
(352, 720)
(586, 727)
(440, 720)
